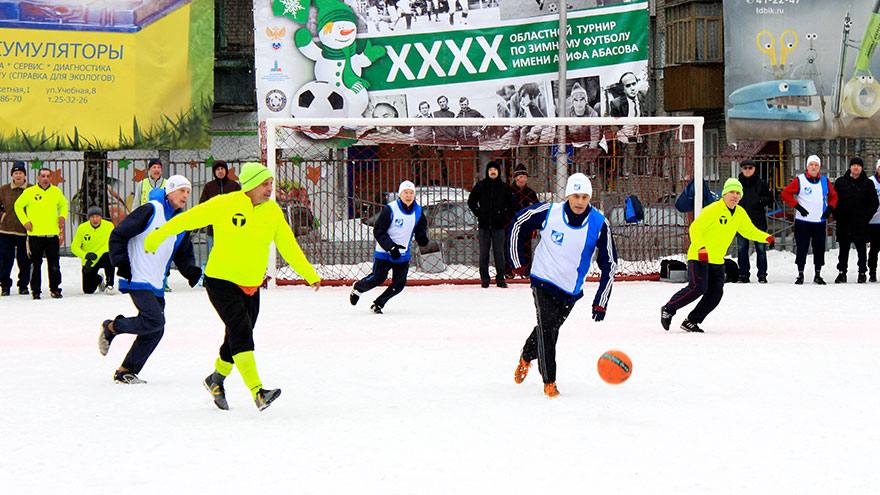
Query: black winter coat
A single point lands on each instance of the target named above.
(755, 200)
(856, 204)
(523, 198)
(492, 203)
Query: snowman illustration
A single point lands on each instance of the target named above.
(337, 59)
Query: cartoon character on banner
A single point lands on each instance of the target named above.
(338, 63)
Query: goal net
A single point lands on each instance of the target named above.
(333, 177)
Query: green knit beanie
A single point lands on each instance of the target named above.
(252, 175)
(732, 185)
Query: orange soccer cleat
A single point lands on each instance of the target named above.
(522, 370)
(550, 390)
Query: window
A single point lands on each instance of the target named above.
(711, 154)
(694, 33)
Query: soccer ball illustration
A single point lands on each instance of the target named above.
(319, 99)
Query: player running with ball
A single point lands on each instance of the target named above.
(571, 231)
(245, 223)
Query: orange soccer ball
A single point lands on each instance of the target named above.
(614, 367)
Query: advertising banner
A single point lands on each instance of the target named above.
(801, 69)
(447, 58)
(79, 75)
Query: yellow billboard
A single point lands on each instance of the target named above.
(79, 74)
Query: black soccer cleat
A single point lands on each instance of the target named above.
(353, 297)
(762, 280)
(217, 391)
(665, 318)
(265, 397)
(841, 278)
(4, 291)
(873, 277)
(127, 378)
(800, 279)
(23, 291)
(818, 280)
(689, 326)
(375, 308)
(56, 294)
(862, 278)
(35, 295)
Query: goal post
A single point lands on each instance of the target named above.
(333, 176)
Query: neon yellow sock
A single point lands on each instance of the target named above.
(247, 367)
(223, 367)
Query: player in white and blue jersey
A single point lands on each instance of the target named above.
(571, 232)
(398, 223)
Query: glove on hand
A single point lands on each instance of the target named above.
(598, 313)
(395, 251)
(302, 37)
(803, 211)
(827, 213)
(771, 241)
(91, 256)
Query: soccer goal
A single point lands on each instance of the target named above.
(334, 175)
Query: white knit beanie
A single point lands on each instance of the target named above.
(176, 182)
(578, 184)
(404, 186)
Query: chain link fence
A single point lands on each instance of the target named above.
(331, 197)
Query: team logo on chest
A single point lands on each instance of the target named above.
(557, 237)
(722, 220)
(38, 197)
(239, 220)
(808, 190)
(398, 222)
(87, 237)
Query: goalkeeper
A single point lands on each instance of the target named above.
(245, 223)
(711, 234)
(398, 222)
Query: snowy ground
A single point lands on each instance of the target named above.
(780, 395)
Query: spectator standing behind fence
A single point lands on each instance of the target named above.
(492, 203)
(91, 243)
(42, 209)
(814, 198)
(153, 180)
(523, 197)
(856, 204)
(221, 184)
(13, 236)
(755, 200)
(874, 227)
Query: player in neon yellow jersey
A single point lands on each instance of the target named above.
(245, 223)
